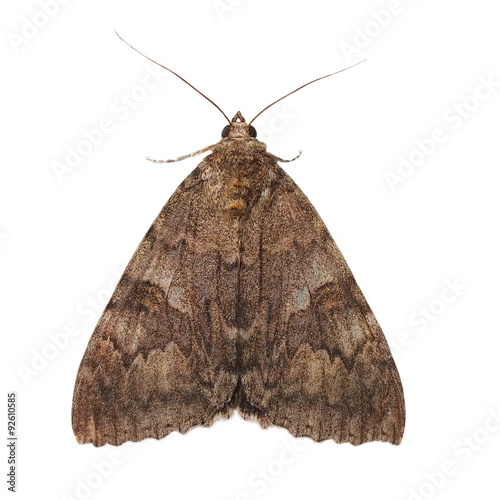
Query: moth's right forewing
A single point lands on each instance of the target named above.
(162, 355)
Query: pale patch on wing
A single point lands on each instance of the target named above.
(231, 332)
(177, 300)
(161, 276)
(301, 298)
(352, 332)
(166, 370)
(320, 274)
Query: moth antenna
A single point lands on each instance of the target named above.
(174, 73)
(301, 87)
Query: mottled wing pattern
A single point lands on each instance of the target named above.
(314, 359)
(162, 356)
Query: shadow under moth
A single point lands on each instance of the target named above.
(238, 298)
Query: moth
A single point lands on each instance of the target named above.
(238, 299)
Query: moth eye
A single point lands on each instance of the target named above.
(225, 130)
(252, 131)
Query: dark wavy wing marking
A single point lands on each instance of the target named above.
(315, 360)
(162, 355)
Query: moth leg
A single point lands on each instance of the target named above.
(208, 148)
(287, 161)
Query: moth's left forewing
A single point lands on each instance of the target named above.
(314, 358)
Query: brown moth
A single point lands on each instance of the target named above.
(238, 298)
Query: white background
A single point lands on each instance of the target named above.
(425, 252)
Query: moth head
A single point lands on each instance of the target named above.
(238, 129)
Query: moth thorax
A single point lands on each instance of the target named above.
(236, 208)
(239, 197)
